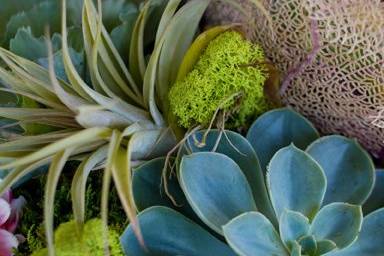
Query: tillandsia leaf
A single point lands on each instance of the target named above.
(164, 239)
(34, 142)
(370, 240)
(338, 222)
(181, 29)
(132, 113)
(292, 226)
(94, 117)
(252, 234)
(197, 48)
(186, 19)
(215, 187)
(108, 72)
(84, 137)
(54, 173)
(238, 149)
(113, 147)
(17, 174)
(168, 13)
(151, 143)
(79, 183)
(349, 169)
(137, 63)
(295, 182)
(279, 128)
(376, 199)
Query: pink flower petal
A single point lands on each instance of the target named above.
(16, 212)
(5, 211)
(8, 242)
(7, 196)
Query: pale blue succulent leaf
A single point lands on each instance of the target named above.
(308, 245)
(252, 234)
(295, 182)
(296, 249)
(349, 169)
(338, 222)
(277, 129)
(370, 241)
(293, 226)
(215, 187)
(167, 232)
(376, 199)
(148, 188)
(325, 246)
(238, 149)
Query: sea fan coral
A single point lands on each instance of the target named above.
(10, 212)
(331, 57)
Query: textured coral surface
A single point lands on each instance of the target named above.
(331, 55)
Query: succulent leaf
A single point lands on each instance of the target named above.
(148, 189)
(252, 234)
(215, 187)
(162, 229)
(239, 150)
(349, 169)
(324, 246)
(295, 182)
(338, 222)
(293, 226)
(370, 241)
(376, 199)
(277, 129)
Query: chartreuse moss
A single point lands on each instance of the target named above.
(90, 243)
(228, 76)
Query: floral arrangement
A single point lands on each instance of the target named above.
(129, 127)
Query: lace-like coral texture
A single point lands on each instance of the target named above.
(331, 55)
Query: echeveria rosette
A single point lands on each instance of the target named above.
(10, 213)
(308, 200)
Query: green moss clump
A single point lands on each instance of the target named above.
(67, 242)
(229, 76)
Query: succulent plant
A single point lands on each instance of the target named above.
(330, 56)
(282, 190)
(10, 214)
(110, 117)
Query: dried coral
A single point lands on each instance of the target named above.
(330, 53)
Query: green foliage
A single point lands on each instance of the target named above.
(306, 188)
(31, 224)
(228, 76)
(91, 242)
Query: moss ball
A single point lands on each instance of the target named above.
(228, 76)
(67, 243)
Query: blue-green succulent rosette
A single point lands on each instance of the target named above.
(282, 190)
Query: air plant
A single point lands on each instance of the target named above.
(282, 190)
(116, 118)
(10, 214)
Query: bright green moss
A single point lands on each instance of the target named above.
(229, 66)
(67, 243)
